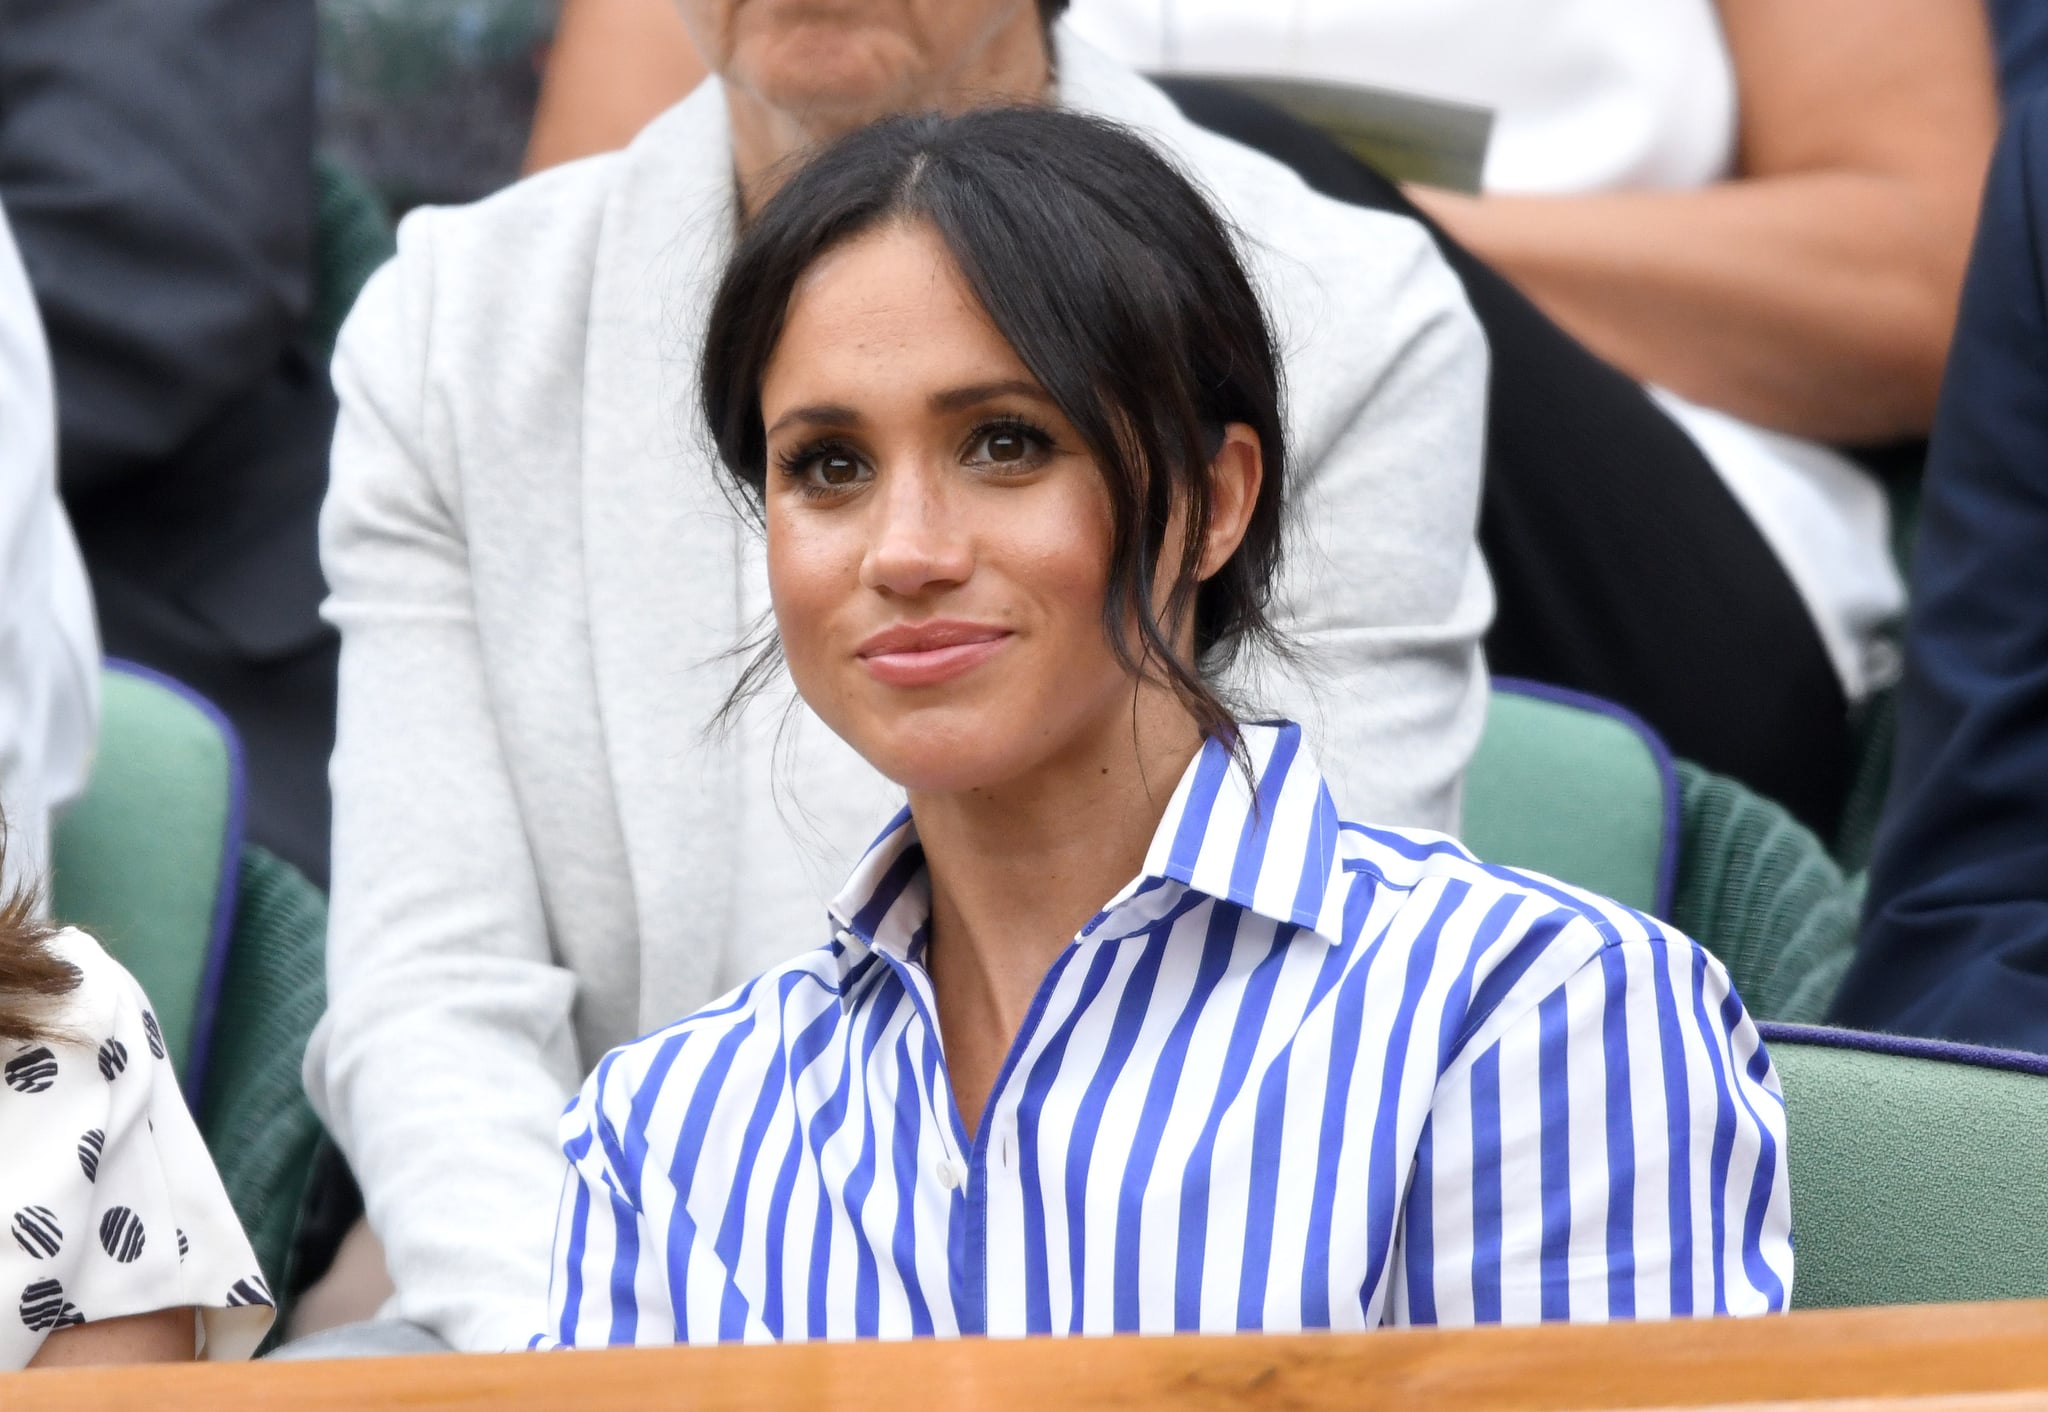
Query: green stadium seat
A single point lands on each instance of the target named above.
(1917, 1169)
(1756, 888)
(147, 860)
(261, 1131)
(1575, 788)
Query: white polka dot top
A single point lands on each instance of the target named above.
(113, 1206)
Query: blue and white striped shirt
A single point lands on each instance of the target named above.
(1299, 1074)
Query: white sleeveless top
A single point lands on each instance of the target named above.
(1588, 95)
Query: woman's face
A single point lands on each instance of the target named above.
(843, 63)
(938, 536)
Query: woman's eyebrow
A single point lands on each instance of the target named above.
(822, 414)
(958, 399)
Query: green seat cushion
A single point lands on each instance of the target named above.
(1575, 788)
(1758, 889)
(145, 860)
(1918, 1169)
(259, 1127)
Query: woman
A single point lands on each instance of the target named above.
(124, 1248)
(538, 585)
(1114, 1011)
(1760, 211)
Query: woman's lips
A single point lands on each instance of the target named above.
(926, 654)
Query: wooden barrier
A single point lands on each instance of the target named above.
(1937, 1358)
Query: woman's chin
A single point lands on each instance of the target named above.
(957, 758)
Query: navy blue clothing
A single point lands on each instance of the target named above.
(1955, 941)
(2021, 28)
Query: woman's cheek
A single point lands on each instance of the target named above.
(809, 587)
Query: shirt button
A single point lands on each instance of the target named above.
(952, 1175)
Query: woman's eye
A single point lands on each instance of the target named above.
(819, 469)
(1009, 447)
(835, 469)
(1006, 446)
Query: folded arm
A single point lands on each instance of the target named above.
(1815, 291)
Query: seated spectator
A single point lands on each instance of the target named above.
(1085, 1053)
(1692, 551)
(539, 583)
(157, 163)
(1955, 933)
(124, 1249)
(49, 653)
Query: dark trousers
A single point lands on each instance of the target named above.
(1622, 564)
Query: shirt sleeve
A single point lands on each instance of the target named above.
(1613, 1150)
(608, 1284)
(49, 647)
(116, 1207)
(448, 1046)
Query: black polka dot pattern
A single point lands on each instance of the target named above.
(249, 1291)
(37, 1233)
(113, 1059)
(32, 1071)
(103, 1235)
(44, 1307)
(121, 1234)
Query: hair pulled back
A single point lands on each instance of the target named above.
(1121, 290)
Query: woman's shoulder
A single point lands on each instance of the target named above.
(1418, 866)
(120, 1208)
(105, 992)
(92, 1032)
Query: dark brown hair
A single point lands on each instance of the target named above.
(1119, 287)
(31, 975)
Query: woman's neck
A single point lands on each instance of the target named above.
(1015, 66)
(1017, 871)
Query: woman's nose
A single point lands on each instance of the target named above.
(915, 539)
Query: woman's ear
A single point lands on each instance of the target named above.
(1235, 474)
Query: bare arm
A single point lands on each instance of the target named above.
(1816, 293)
(166, 1336)
(614, 66)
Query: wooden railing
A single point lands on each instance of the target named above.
(1956, 1358)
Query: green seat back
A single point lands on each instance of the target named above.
(1915, 1178)
(1756, 888)
(145, 861)
(351, 238)
(1571, 787)
(261, 1131)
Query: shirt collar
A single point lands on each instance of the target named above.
(1267, 844)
